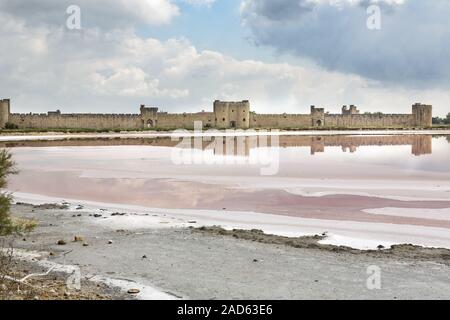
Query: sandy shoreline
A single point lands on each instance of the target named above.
(360, 235)
(198, 265)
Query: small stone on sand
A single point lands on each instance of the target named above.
(133, 291)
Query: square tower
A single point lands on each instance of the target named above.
(422, 115)
(230, 114)
(5, 109)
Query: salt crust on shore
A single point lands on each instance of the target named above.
(358, 235)
(146, 292)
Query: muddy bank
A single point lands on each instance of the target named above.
(401, 251)
(216, 264)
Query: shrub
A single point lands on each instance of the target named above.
(11, 126)
(6, 168)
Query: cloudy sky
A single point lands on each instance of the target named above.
(180, 55)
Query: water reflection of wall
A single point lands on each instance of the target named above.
(420, 144)
(241, 146)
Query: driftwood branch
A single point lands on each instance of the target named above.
(24, 279)
(15, 280)
(37, 274)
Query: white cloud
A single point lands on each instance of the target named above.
(410, 49)
(133, 82)
(97, 70)
(105, 14)
(199, 3)
(340, 3)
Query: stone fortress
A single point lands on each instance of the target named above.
(225, 115)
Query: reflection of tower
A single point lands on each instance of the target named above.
(233, 146)
(422, 145)
(317, 145)
(241, 146)
(349, 148)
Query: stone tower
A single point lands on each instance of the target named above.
(422, 115)
(149, 116)
(5, 109)
(350, 110)
(317, 117)
(232, 114)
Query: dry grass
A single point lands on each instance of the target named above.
(50, 287)
(9, 288)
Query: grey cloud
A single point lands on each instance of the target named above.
(111, 69)
(103, 14)
(411, 49)
(280, 10)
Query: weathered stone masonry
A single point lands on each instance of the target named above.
(225, 115)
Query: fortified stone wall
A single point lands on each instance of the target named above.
(185, 120)
(369, 120)
(78, 121)
(226, 115)
(318, 118)
(281, 121)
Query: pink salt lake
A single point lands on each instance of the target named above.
(395, 180)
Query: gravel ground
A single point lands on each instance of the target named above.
(51, 287)
(190, 264)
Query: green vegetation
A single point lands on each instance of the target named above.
(11, 126)
(442, 121)
(9, 225)
(6, 168)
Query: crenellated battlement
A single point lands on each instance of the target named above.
(350, 110)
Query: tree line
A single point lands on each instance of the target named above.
(437, 120)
